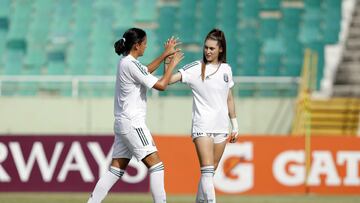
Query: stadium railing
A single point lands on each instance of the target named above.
(74, 82)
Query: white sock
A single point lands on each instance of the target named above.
(157, 183)
(104, 184)
(200, 194)
(207, 183)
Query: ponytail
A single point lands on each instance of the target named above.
(120, 46)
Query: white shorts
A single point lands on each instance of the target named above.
(217, 137)
(133, 140)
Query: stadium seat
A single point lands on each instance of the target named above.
(20, 19)
(166, 22)
(146, 10)
(34, 60)
(186, 19)
(56, 62)
(268, 28)
(5, 8)
(249, 10)
(84, 31)
(2, 44)
(270, 4)
(13, 62)
(206, 18)
(228, 12)
(124, 13)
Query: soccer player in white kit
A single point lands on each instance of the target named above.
(132, 137)
(210, 81)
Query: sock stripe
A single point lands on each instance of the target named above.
(118, 173)
(207, 169)
(155, 168)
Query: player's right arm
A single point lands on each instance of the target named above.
(175, 78)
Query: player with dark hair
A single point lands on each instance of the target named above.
(132, 137)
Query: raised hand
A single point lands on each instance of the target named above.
(176, 58)
(170, 46)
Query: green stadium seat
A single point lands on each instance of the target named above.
(152, 51)
(249, 10)
(249, 65)
(2, 43)
(248, 33)
(56, 63)
(39, 30)
(291, 66)
(62, 18)
(124, 13)
(331, 25)
(207, 20)
(228, 11)
(34, 59)
(270, 4)
(4, 23)
(5, 8)
(291, 15)
(232, 59)
(311, 4)
(20, 19)
(13, 62)
(268, 28)
(146, 10)
(76, 37)
(187, 21)
(166, 21)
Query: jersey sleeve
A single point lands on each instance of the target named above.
(231, 81)
(188, 71)
(140, 74)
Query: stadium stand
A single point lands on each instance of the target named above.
(347, 81)
(75, 37)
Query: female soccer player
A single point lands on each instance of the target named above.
(132, 137)
(210, 81)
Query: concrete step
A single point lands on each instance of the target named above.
(351, 56)
(353, 45)
(348, 78)
(354, 32)
(349, 66)
(347, 91)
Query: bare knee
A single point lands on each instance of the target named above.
(120, 162)
(151, 159)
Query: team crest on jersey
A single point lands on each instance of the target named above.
(226, 77)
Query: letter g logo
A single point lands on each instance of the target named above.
(232, 176)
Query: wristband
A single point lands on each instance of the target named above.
(235, 126)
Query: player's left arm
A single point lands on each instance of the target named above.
(232, 116)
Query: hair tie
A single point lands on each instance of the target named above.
(124, 39)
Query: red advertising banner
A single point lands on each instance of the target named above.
(62, 163)
(253, 165)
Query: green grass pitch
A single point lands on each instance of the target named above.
(10, 197)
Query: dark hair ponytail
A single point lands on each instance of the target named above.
(130, 37)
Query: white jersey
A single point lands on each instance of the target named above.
(132, 81)
(210, 109)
